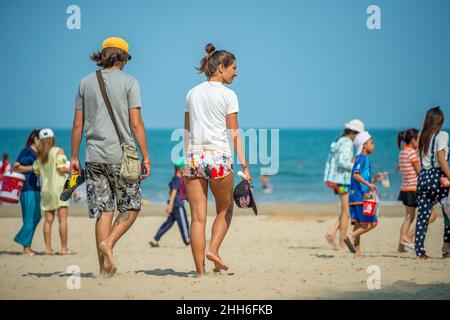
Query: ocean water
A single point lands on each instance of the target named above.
(302, 156)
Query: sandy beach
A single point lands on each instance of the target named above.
(279, 254)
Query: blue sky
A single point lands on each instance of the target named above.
(301, 63)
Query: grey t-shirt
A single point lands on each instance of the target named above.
(102, 143)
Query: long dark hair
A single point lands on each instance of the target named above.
(432, 124)
(33, 135)
(406, 136)
(213, 59)
(346, 133)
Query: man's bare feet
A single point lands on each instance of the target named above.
(219, 265)
(109, 265)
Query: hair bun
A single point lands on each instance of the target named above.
(210, 48)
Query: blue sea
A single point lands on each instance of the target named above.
(302, 156)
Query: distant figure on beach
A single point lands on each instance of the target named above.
(362, 189)
(338, 171)
(265, 183)
(433, 183)
(30, 198)
(409, 165)
(5, 166)
(212, 108)
(175, 208)
(50, 165)
(106, 189)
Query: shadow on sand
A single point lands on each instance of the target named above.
(166, 272)
(58, 273)
(399, 290)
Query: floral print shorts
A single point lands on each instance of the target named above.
(207, 163)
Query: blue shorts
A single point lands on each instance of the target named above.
(356, 215)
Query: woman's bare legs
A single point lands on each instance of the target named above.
(222, 190)
(341, 224)
(49, 217)
(405, 228)
(121, 225)
(63, 230)
(343, 219)
(102, 230)
(197, 191)
(331, 233)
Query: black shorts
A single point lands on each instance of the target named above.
(409, 198)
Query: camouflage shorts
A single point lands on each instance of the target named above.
(105, 186)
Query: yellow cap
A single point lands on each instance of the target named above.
(114, 42)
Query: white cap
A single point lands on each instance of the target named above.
(360, 139)
(355, 125)
(46, 133)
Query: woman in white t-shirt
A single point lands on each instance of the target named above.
(433, 183)
(211, 111)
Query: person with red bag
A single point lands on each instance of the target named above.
(362, 199)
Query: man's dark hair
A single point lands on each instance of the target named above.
(110, 57)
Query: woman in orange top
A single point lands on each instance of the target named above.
(409, 165)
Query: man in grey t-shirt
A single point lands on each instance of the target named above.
(106, 190)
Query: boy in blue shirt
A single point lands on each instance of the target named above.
(361, 184)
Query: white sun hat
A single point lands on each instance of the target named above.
(46, 133)
(355, 125)
(360, 139)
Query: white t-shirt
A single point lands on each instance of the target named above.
(208, 105)
(441, 143)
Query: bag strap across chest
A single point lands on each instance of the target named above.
(101, 83)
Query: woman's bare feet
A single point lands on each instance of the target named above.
(424, 257)
(49, 252)
(67, 252)
(330, 239)
(28, 252)
(401, 249)
(219, 265)
(109, 265)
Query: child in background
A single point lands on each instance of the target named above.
(361, 185)
(409, 165)
(175, 208)
(50, 165)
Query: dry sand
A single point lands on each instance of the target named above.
(280, 254)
